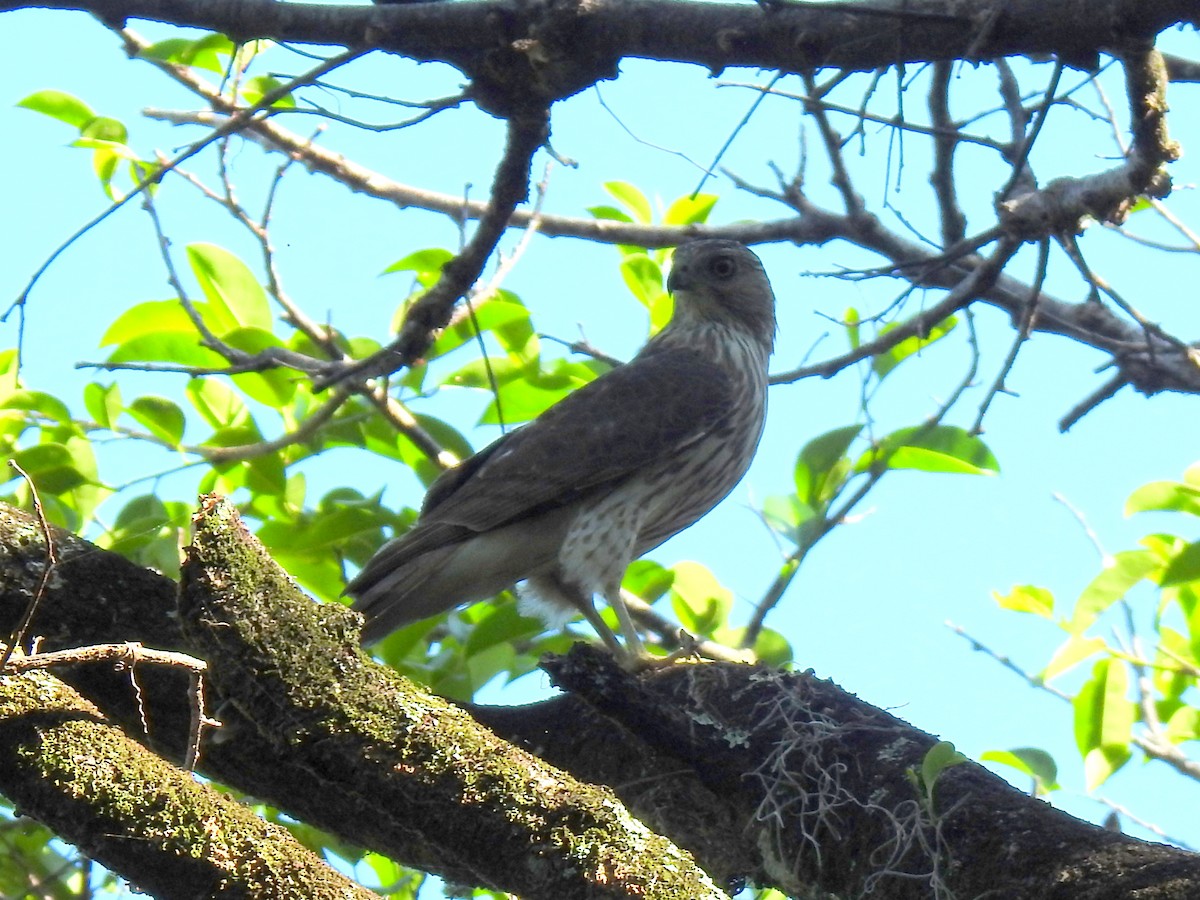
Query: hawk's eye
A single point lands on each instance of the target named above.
(722, 266)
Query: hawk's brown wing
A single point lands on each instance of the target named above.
(606, 431)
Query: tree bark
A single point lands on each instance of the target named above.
(763, 776)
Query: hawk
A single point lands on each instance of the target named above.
(566, 502)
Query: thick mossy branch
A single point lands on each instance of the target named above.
(64, 765)
(421, 768)
(778, 778)
(823, 782)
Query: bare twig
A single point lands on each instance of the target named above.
(235, 122)
(510, 186)
(17, 637)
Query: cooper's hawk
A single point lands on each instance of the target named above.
(566, 502)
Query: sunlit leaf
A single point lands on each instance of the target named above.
(427, 264)
(1104, 718)
(643, 277)
(52, 466)
(1074, 650)
(259, 86)
(161, 417)
(609, 212)
(151, 317)
(787, 515)
(1121, 573)
(219, 404)
(772, 648)
(648, 580)
(40, 402)
(1164, 495)
(1184, 567)
(937, 759)
(504, 315)
(236, 297)
(1184, 725)
(632, 199)
(690, 209)
(932, 448)
(853, 329)
(885, 362)
(103, 403)
(1027, 598)
(175, 347)
(819, 472)
(701, 603)
(209, 52)
(59, 105)
(271, 387)
(1032, 761)
(102, 129)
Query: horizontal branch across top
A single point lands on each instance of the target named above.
(551, 49)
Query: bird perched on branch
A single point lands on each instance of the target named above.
(566, 502)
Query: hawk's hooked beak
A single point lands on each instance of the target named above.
(678, 279)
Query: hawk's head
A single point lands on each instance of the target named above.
(718, 281)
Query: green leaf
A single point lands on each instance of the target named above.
(260, 85)
(1184, 567)
(52, 466)
(501, 624)
(772, 648)
(700, 602)
(632, 199)
(1074, 650)
(788, 515)
(219, 404)
(526, 398)
(1164, 495)
(504, 315)
(260, 474)
(203, 53)
(161, 417)
(236, 297)
(59, 105)
(1104, 718)
(853, 327)
(1032, 761)
(1027, 598)
(103, 403)
(1184, 725)
(176, 347)
(937, 759)
(40, 402)
(150, 532)
(609, 212)
(817, 460)
(1120, 574)
(690, 209)
(932, 448)
(643, 277)
(151, 317)
(102, 129)
(886, 362)
(647, 579)
(271, 387)
(427, 264)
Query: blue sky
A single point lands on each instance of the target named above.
(869, 608)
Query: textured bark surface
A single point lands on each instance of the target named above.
(749, 769)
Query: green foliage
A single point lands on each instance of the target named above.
(1150, 598)
(1032, 761)
(938, 758)
(106, 137)
(641, 269)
